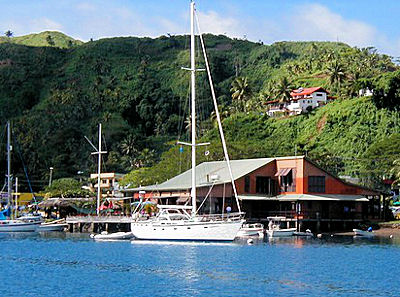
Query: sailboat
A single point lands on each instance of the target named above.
(177, 222)
(16, 225)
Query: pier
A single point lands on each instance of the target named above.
(98, 223)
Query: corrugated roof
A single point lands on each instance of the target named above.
(205, 172)
(306, 197)
(307, 91)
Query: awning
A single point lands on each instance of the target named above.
(283, 172)
(182, 199)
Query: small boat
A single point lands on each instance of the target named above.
(112, 236)
(358, 232)
(251, 230)
(274, 229)
(52, 226)
(307, 233)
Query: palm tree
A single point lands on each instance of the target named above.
(8, 33)
(240, 93)
(281, 89)
(188, 125)
(128, 145)
(336, 74)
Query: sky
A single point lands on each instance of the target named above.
(359, 23)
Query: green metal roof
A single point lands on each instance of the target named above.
(209, 173)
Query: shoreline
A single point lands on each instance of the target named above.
(382, 232)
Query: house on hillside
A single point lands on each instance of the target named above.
(302, 100)
(294, 187)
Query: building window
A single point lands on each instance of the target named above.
(247, 184)
(263, 184)
(319, 95)
(316, 184)
(287, 182)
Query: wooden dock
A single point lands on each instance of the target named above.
(98, 223)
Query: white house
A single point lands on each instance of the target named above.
(365, 92)
(301, 101)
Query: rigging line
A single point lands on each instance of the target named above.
(25, 171)
(205, 198)
(217, 114)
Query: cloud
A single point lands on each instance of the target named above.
(212, 22)
(44, 24)
(316, 22)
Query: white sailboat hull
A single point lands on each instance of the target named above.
(16, 226)
(187, 230)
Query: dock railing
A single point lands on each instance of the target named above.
(98, 219)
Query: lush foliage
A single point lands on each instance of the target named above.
(58, 93)
(65, 187)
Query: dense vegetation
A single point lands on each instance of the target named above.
(57, 93)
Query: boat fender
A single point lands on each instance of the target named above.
(319, 235)
(91, 235)
(391, 236)
(250, 241)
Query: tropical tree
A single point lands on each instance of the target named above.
(336, 74)
(8, 33)
(50, 40)
(241, 92)
(396, 170)
(65, 187)
(281, 89)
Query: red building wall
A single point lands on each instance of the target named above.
(302, 169)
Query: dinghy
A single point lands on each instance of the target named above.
(358, 232)
(112, 236)
(251, 230)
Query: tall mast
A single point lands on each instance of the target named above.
(98, 174)
(193, 116)
(8, 163)
(221, 131)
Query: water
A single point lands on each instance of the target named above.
(73, 265)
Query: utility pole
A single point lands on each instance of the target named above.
(51, 176)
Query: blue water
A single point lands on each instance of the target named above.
(73, 265)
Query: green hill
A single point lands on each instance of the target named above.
(56, 95)
(46, 38)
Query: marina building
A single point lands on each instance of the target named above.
(294, 187)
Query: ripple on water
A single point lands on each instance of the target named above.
(74, 265)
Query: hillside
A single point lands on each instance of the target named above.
(46, 38)
(349, 137)
(135, 86)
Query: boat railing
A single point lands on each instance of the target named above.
(235, 216)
